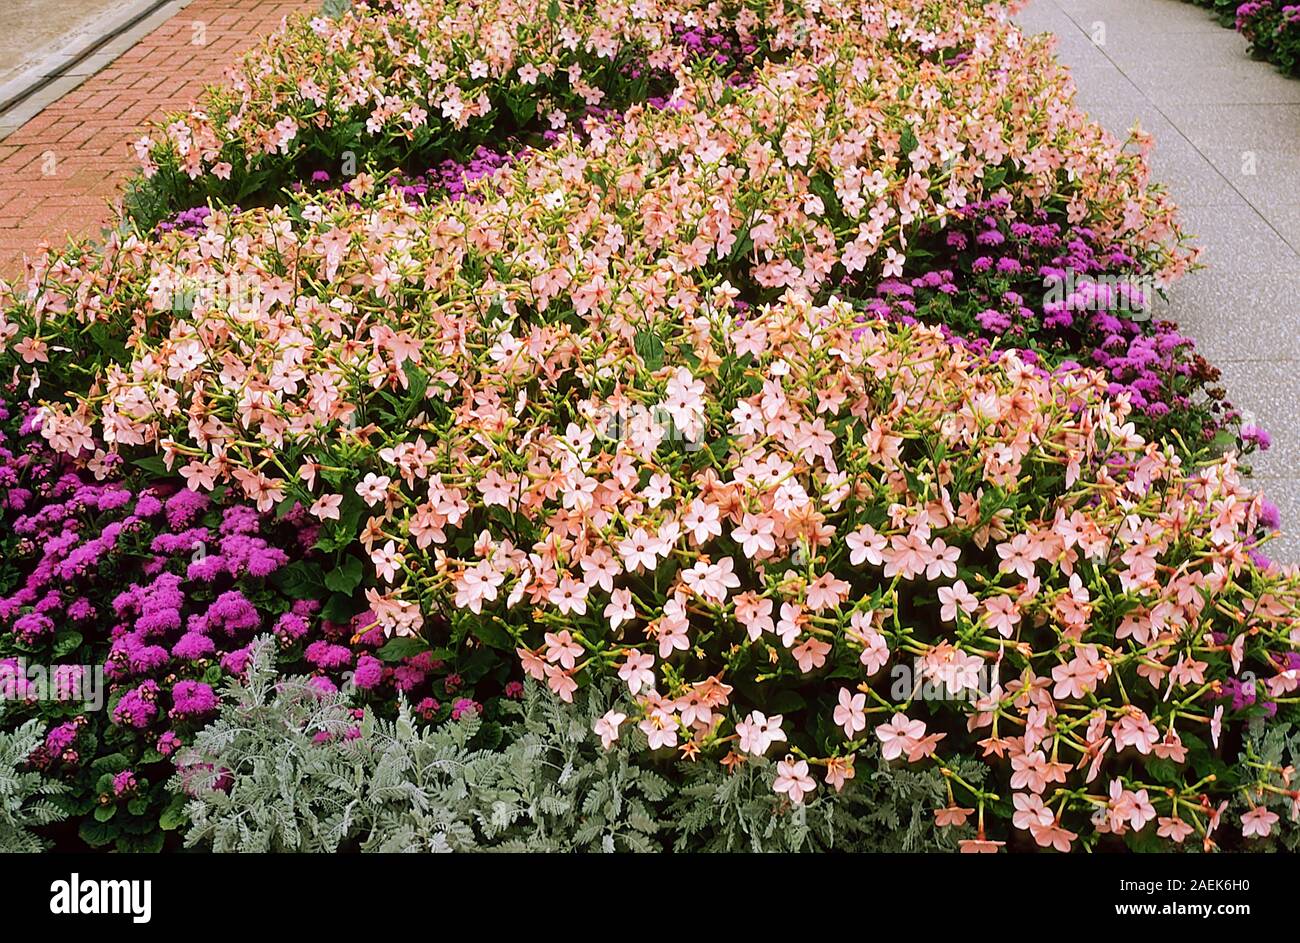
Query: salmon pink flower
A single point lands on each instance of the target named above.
(606, 727)
(850, 713)
(793, 780)
(839, 770)
(757, 732)
(619, 609)
(560, 647)
(326, 507)
(1259, 821)
(899, 735)
(951, 816)
(638, 671)
(810, 654)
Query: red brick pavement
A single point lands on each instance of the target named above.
(86, 135)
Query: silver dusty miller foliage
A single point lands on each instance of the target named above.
(286, 768)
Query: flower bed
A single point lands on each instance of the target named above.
(793, 400)
(1272, 28)
(400, 85)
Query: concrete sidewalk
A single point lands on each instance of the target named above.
(1227, 132)
(32, 29)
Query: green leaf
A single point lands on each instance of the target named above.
(66, 642)
(109, 764)
(908, 142)
(339, 609)
(491, 634)
(345, 577)
(553, 11)
(96, 834)
(1163, 771)
(650, 349)
(153, 464)
(149, 843)
(104, 813)
(173, 816)
(1223, 440)
(1145, 841)
(785, 702)
(301, 580)
(400, 648)
(338, 535)
(107, 342)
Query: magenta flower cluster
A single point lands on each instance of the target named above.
(1272, 27)
(1056, 292)
(165, 590)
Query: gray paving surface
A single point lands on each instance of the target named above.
(1227, 132)
(31, 29)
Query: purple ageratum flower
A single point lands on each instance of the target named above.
(1249, 11)
(1243, 694)
(369, 672)
(69, 680)
(168, 743)
(137, 707)
(207, 568)
(33, 627)
(148, 505)
(182, 542)
(233, 612)
(1255, 435)
(124, 783)
(305, 607)
(1270, 518)
(240, 519)
(13, 685)
(159, 605)
(328, 657)
(193, 646)
(61, 738)
(464, 706)
(184, 508)
(193, 699)
(322, 685)
(81, 609)
(236, 662)
(244, 553)
(263, 561)
(290, 627)
(407, 678)
(993, 321)
(1261, 560)
(144, 659)
(424, 661)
